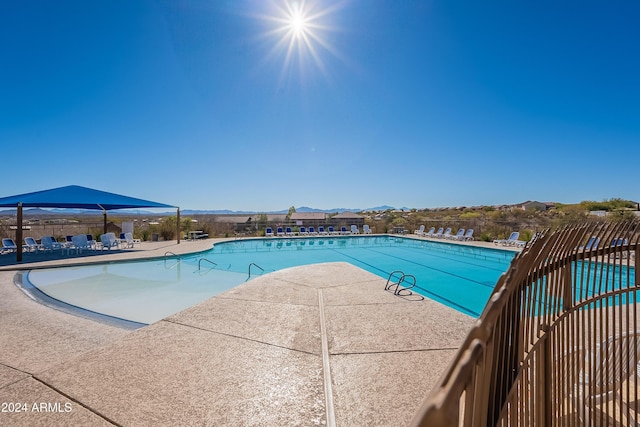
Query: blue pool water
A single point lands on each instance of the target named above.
(459, 276)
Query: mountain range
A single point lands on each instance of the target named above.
(186, 212)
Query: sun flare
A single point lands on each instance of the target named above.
(300, 29)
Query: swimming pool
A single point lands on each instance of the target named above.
(459, 276)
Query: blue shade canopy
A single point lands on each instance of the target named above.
(77, 197)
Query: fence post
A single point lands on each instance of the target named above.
(545, 364)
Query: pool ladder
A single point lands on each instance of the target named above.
(398, 278)
(257, 266)
(208, 260)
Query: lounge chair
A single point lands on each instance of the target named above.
(468, 235)
(447, 233)
(8, 245)
(92, 242)
(109, 241)
(31, 245)
(332, 230)
(511, 241)
(438, 233)
(459, 235)
(343, 230)
(617, 242)
(592, 243)
(303, 231)
(612, 363)
(129, 241)
(419, 231)
(288, 232)
(268, 232)
(430, 233)
(279, 232)
(312, 231)
(80, 243)
(50, 243)
(366, 229)
(321, 231)
(355, 229)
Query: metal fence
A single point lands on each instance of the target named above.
(558, 342)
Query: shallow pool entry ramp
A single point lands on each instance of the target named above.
(401, 284)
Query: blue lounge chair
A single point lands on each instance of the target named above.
(303, 231)
(288, 232)
(321, 231)
(268, 232)
(312, 231)
(31, 245)
(332, 230)
(8, 245)
(279, 232)
(343, 230)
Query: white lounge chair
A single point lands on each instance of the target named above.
(80, 243)
(431, 232)
(109, 241)
(511, 241)
(468, 235)
(447, 234)
(438, 233)
(51, 244)
(419, 231)
(366, 229)
(354, 229)
(459, 235)
(129, 241)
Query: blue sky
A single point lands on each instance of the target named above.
(204, 105)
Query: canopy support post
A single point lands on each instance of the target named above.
(178, 221)
(19, 233)
(104, 216)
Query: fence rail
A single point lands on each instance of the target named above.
(559, 340)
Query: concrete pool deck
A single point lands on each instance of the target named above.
(316, 345)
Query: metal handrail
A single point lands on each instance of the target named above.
(253, 264)
(208, 260)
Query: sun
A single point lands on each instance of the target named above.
(297, 24)
(299, 29)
